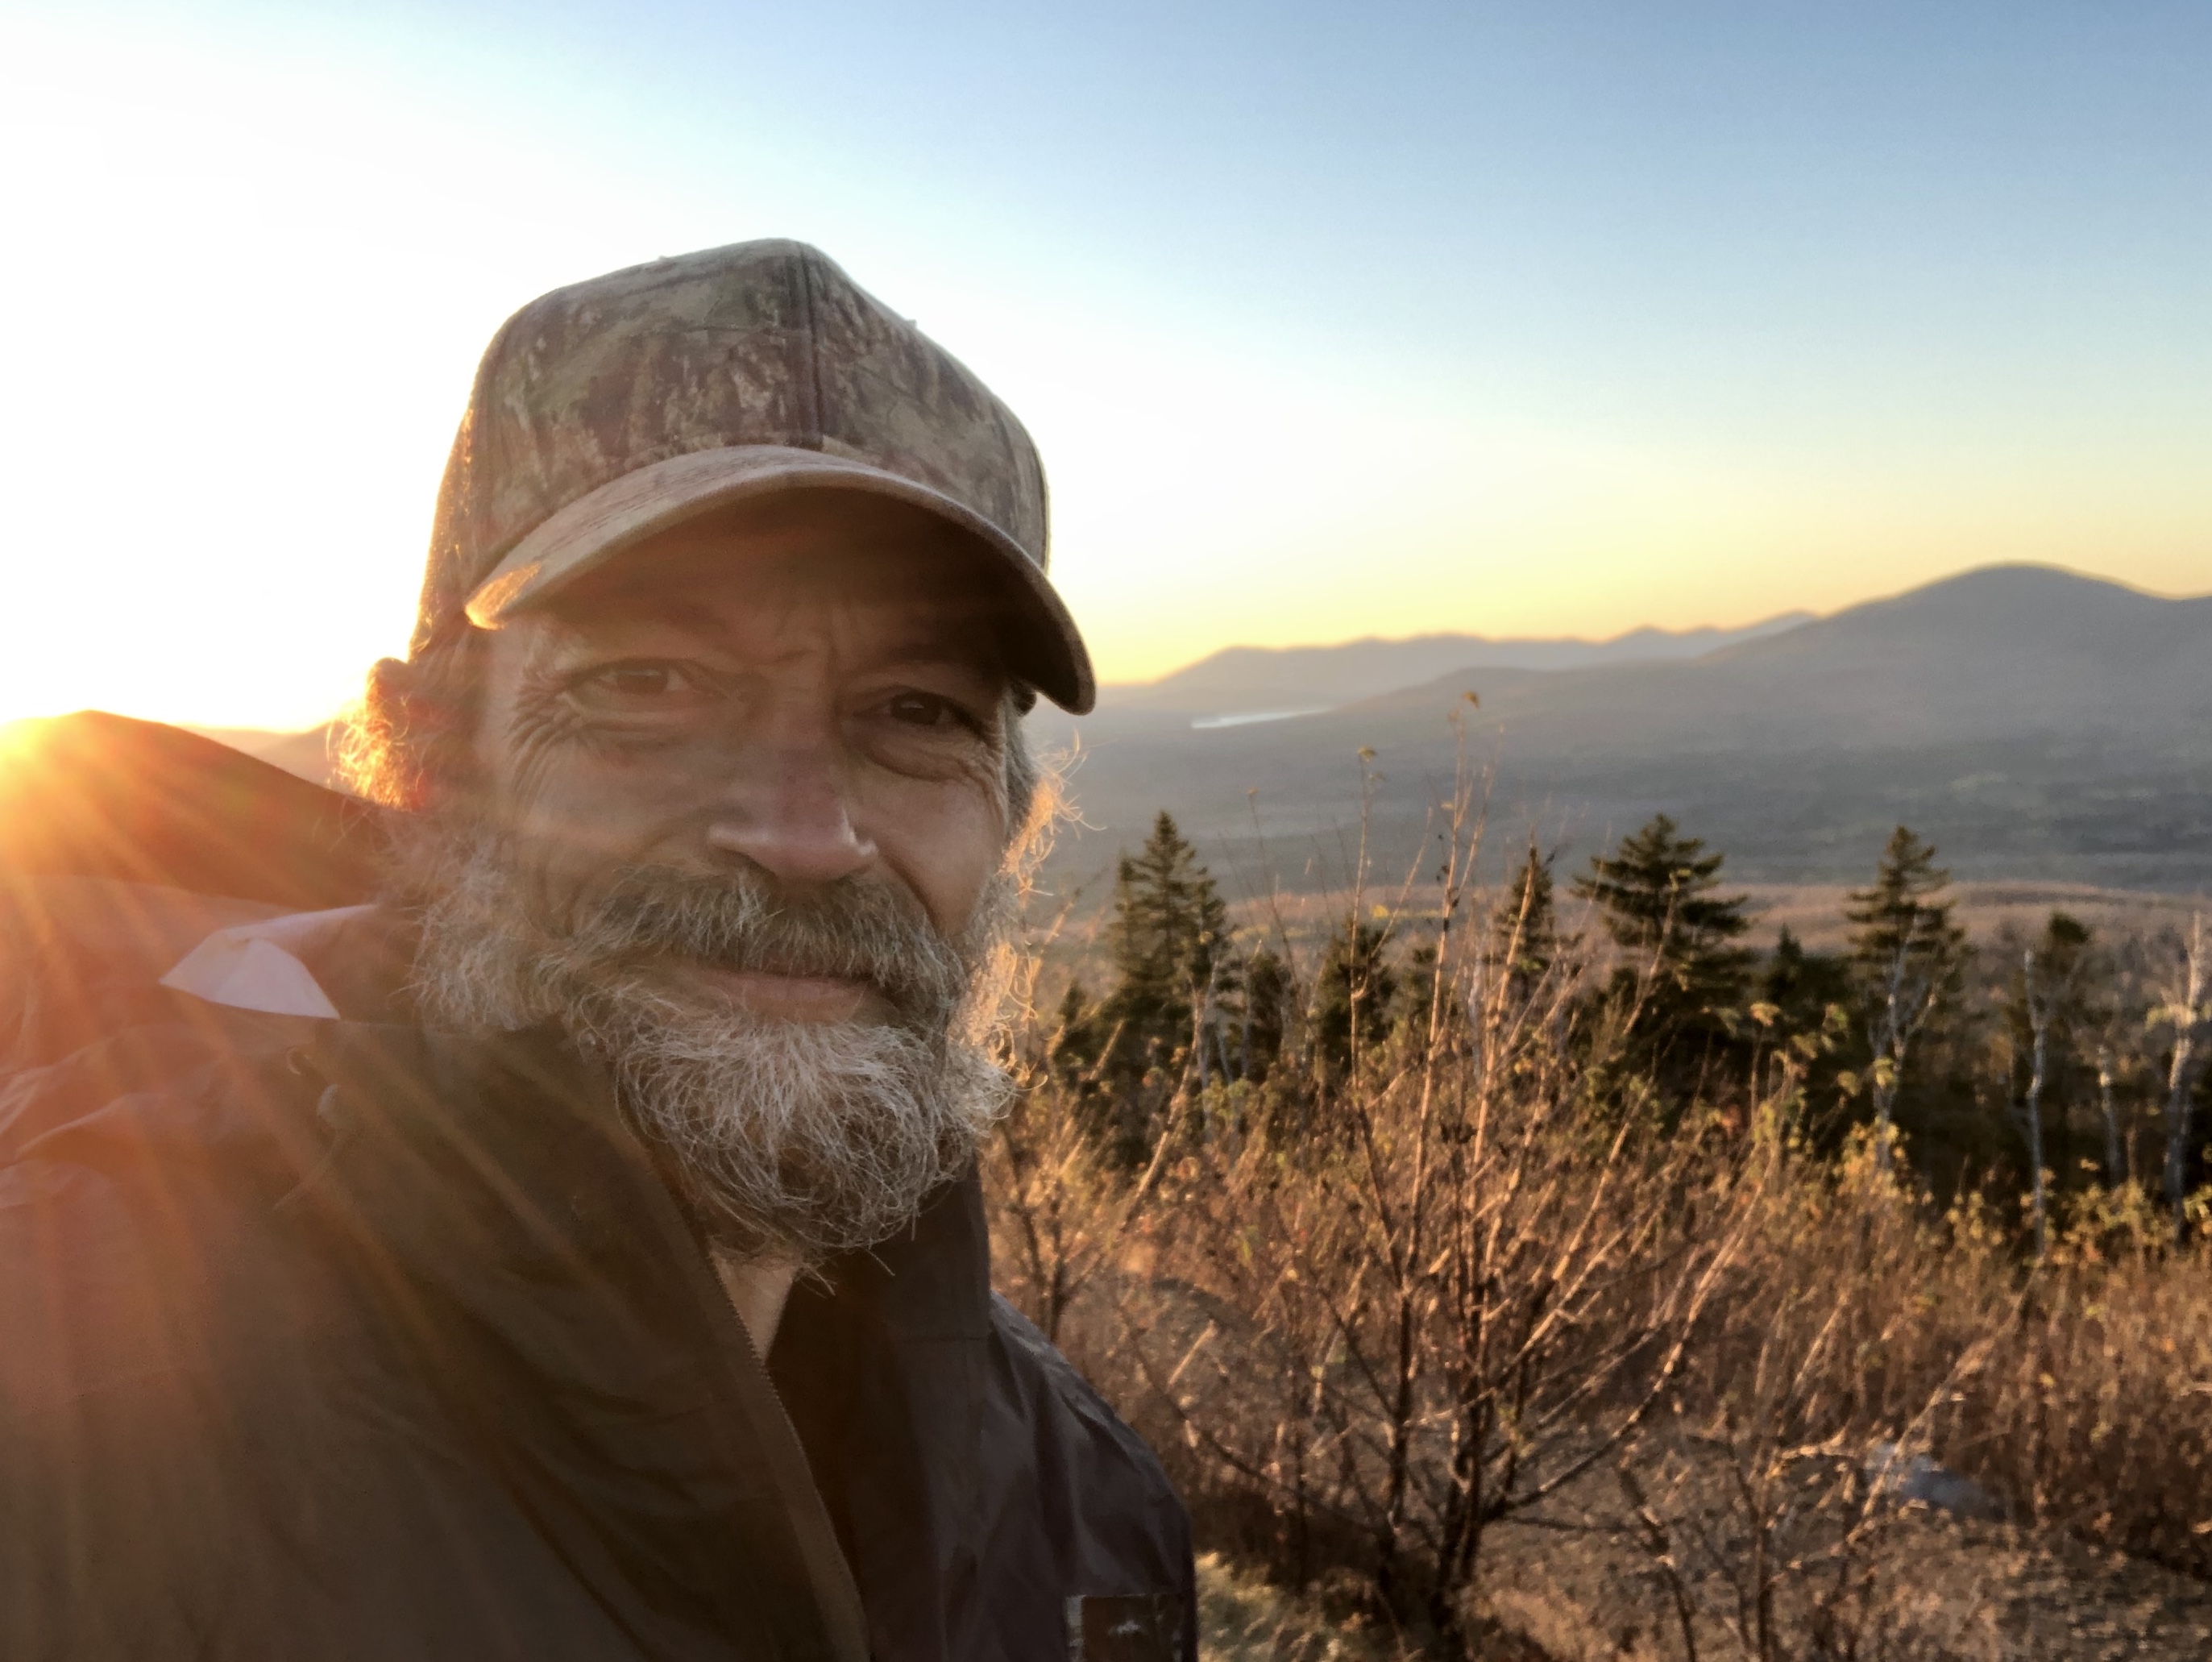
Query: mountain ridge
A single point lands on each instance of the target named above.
(1237, 678)
(2033, 721)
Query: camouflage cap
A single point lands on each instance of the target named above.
(609, 411)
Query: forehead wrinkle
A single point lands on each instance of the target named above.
(909, 629)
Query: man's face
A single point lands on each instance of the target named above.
(740, 825)
(805, 692)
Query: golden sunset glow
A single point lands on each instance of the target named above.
(257, 261)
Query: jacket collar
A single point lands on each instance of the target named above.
(491, 1185)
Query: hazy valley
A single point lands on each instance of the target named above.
(2034, 724)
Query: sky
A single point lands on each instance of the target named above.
(1330, 320)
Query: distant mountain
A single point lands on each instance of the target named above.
(307, 754)
(2032, 721)
(2003, 651)
(1241, 680)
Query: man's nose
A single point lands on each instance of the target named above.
(787, 811)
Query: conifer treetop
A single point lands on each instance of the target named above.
(1906, 910)
(1655, 892)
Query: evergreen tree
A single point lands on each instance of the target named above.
(1353, 995)
(1806, 997)
(1265, 1013)
(1415, 995)
(1170, 926)
(1076, 1037)
(1169, 945)
(1907, 958)
(1683, 975)
(1655, 895)
(1524, 927)
(2064, 957)
(1792, 980)
(1803, 986)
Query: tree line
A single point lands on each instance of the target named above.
(2063, 1065)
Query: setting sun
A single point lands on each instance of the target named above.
(263, 257)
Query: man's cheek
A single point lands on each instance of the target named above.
(576, 826)
(550, 878)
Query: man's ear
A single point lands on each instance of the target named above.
(411, 726)
(394, 691)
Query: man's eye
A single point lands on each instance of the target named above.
(643, 683)
(926, 709)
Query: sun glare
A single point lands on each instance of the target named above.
(297, 320)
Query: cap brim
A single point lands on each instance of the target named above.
(1044, 648)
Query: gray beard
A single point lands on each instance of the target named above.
(795, 1140)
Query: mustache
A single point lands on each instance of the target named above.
(743, 920)
(811, 1139)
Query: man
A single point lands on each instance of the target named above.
(574, 1250)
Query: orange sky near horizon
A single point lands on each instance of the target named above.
(1681, 382)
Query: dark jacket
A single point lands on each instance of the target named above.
(341, 1339)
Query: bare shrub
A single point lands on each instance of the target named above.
(2094, 1411)
(1373, 1314)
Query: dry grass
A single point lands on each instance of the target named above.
(1723, 1496)
(1478, 1360)
(1244, 1618)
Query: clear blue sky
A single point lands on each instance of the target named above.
(1531, 319)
